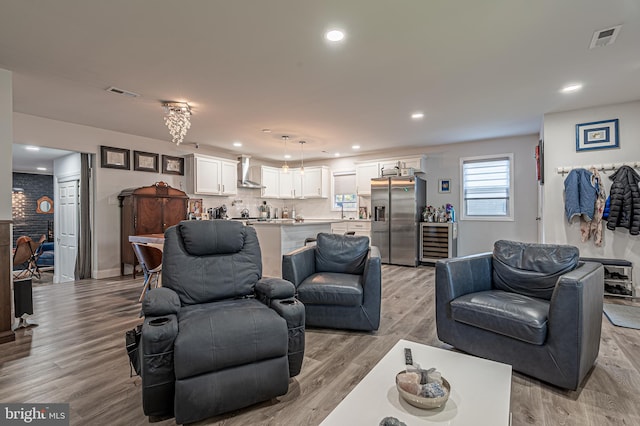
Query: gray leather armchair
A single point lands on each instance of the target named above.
(534, 306)
(217, 337)
(338, 280)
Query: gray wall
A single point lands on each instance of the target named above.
(560, 151)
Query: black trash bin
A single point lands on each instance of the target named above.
(23, 301)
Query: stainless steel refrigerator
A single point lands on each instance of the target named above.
(396, 204)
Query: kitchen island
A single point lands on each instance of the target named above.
(281, 236)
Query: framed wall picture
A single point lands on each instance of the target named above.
(145, 161)
(115, 158)
(173, 165)
(444, 186)
(597, 135)
(195, 207)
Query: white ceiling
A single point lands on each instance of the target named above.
(26, 160)
(477, 69)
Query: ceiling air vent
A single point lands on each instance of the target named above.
(123, 92)
(602, 38)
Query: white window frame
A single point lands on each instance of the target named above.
(511, 213)
(333, 191)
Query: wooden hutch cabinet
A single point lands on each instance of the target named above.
(148, 210)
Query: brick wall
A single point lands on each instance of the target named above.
(25, 219)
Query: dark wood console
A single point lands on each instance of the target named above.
(148, 210)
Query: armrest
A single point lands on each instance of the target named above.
(372, 278)
(160, 301)
(576, 302)
(575, 318)
(268, 289)
(299, 264)
(458, 276)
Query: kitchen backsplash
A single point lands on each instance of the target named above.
(311, 208)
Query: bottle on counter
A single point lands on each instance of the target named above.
(293, 213)
(285, 212)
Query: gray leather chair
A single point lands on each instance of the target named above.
(534, 306)
(217, 337)
(338, 280)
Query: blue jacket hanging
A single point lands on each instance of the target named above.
(580, 193)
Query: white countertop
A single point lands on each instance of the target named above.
(291, 222)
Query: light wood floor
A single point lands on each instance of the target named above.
(77, 355)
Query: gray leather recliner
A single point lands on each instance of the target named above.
(216, 336)
(534, 306)
(338, 280)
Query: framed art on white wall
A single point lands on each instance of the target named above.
(597, 135)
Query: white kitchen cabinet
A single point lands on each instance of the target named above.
(339, 228)
(211, 175)
(359, 227)
(290, 184)
(270, 179)
(418, 163)
(315, 182)
(364, 173)
(229, 177)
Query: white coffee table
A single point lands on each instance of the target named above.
(480, 391)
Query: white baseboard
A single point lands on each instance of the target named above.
(107, 273)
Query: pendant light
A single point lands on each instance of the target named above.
(302, 157)
(285, 166)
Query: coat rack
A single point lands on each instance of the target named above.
(600, 167)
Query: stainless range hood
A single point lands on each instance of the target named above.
(243, 174)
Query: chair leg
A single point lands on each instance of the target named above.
(145, 287)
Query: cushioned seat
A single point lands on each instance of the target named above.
(217, 336)
(534, 306)
(330, 288)
(338, 280)
(513, 315)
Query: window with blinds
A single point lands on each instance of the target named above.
(487, 187)
(344, 191)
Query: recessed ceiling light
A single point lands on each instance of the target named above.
(32, 148)
(417, 115)
(42, 169)
(287, 156)
(237, 144)
(571, 88)
(266, 130)
(355, 146)
(337, 154)
(334, 35)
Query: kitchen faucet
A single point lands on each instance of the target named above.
(342, 210)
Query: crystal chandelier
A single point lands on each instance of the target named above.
(178, 119)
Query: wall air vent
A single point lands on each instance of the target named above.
(602, 38)
(122, 92)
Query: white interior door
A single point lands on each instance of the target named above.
(67, 237)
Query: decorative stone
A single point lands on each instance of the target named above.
(391, 421)
(432, 390)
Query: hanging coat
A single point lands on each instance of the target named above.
(580, 193)
(625, 200)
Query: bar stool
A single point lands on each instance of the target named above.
(150, 259)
